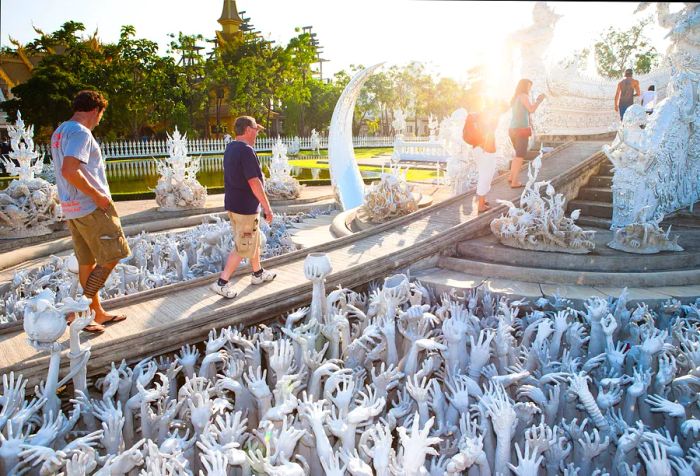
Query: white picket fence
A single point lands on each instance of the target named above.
(158, 148)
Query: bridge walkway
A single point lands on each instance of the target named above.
(163, 319)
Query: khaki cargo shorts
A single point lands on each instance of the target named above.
(246, 234)
(98, 237)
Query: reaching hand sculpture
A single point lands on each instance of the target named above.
(392, 196)
(415, 447)
(157, 260)
(540, 223)
(526, 378)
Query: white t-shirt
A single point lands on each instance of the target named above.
(648, 100)
(74, 139)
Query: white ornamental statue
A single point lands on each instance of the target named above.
(460, 170)
(315, 141)
(540, 223)
(644, 237)
(533, 42)
(177, 186)
(44, 324)
(657, 164)
(295, 147)
(281, 185)
(433, 126)
(30, 205)
(629, 154)
(392, 196)
(399, 122)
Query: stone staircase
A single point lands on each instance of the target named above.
(484, 264)
(595, 200)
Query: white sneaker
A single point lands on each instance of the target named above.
(265, 277)
(226, 290)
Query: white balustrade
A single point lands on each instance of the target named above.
(420, 149)
(158, 148)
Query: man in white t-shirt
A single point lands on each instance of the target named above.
(98, 238)
(649, 99)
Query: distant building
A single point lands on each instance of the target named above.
(15, 68)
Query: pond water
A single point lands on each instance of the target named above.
(124, 183)
(130, 178)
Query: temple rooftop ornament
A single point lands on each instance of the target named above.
(230, 22)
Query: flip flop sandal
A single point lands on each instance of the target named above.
(94, 327)
(518, 186)
(113, 319)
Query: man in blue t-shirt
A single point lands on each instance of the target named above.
(244, 193)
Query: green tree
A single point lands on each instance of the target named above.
(191, 86)
(579, 59)
(617, 50)
(45, 99)
(449, 95)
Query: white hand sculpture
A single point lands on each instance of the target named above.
(416, 447)
(480, 353)
(578, 385)
(381, 451)
(591, 447)
(81, 463)
(385, 379)
(355, 465)
(331, 465)
(691, 425)
(655, 460)
(188, 359)
(660, 405)
(528, 462)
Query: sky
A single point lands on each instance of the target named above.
(449, 36)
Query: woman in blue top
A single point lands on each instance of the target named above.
(520, 130)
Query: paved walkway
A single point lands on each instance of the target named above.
(164, 319)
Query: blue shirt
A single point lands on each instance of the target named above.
(240, 164)
(521, 117)
(73, 139)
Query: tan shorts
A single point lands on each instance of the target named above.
(246, 234)
(98, 237)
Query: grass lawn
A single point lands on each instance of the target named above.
(413, 175)
(360, 153)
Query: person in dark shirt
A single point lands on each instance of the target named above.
(244, 193)
(627, 90)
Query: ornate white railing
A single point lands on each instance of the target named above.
(158, 148)
(420, 149)
(144, 166)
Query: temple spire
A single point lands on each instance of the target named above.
(230, 20)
